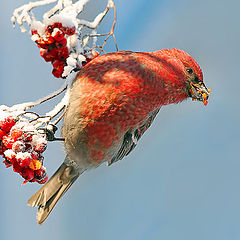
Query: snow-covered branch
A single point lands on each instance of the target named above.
(67, 41)
(59, 35)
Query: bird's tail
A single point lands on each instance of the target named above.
(47, 197)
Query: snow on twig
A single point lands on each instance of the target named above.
(67, 41)
(25, 106)
(80, 49)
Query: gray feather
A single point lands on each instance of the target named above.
(131, 137)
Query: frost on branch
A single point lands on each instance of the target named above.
(61, 34)
(24, 135)
(68, 42)
(22, 145)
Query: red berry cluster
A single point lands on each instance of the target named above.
(53, 46)
(22, 149)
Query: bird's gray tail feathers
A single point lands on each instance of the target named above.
(47, 197)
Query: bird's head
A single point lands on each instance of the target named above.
(192, 76)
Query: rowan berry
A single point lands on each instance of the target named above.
(10, 155)
(57, 25)
(35, 155)
(61, 44)
(63, 53)
(44, 180)
(45, 53)
(41, 43)
(7, 123)
(8, 141)
(2, 148)
(34, 32)
(69, 30)
(16, 133)
(50, 28)
(35, 164)
(58, 35)
(2, 133)
(28, 174)
(7, 163)
(48, 39)
(24, 159)
(18, 146)
(40, 173)
(40, 147)
(17, 168)
(57, 73)
(27, 137)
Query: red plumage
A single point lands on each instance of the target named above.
(116, 92)
(113, 100)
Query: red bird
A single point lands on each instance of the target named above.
(113, 101)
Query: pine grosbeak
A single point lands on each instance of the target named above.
(113, 101)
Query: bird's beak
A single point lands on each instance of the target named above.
(198, 91)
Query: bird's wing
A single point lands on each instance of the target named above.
(131, 137)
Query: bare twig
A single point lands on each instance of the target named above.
(28, 105)
(60, 118)
(67, 12)
(109, 34)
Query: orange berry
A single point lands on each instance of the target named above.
(41, 43)
(205, 96)
(35, 164)
(205, 102)
(16, 133)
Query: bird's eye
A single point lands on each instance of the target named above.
(189, 70)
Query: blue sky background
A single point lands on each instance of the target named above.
(182, 181)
